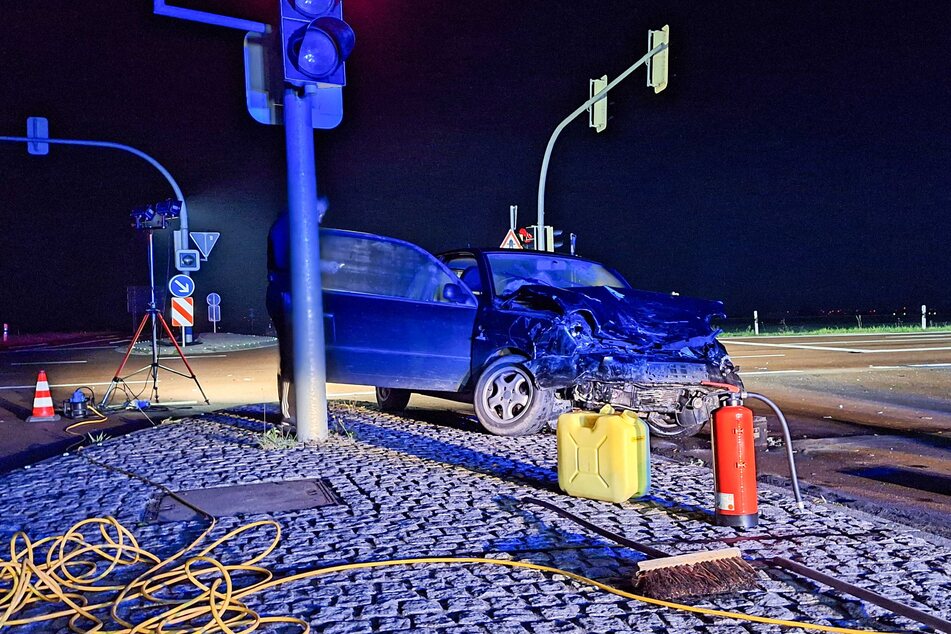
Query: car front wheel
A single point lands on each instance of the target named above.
(509, 403)
(391, 399)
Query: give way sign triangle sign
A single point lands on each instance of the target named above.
(204, 241)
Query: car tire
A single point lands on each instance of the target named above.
(508, 402)
(391, 399)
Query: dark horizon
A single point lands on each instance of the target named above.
(798, 160)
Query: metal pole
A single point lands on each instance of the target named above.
(153, 309)
(755, 322)
(540, 242)
(181, 236)
(310, 379)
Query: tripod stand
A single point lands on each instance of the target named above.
(154, 315)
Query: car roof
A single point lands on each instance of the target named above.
(520, 252)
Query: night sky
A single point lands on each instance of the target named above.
(798, 161)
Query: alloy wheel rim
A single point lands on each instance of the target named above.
(508, 394)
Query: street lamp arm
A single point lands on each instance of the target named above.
(543, 177)
(118, 146)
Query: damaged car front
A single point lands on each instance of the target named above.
(593, 340)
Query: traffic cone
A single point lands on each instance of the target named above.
(43, 402)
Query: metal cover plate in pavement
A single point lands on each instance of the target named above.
(245, 499)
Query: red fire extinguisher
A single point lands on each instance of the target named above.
(734, 465)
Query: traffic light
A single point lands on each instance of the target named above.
(657, 65)
(187, 260)
(554, 238)
(316, 42)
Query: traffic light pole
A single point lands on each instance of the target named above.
(543, 177)
(310, 376)
(182, 232)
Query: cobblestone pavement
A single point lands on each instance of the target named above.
(441, 487)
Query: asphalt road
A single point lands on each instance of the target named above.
(870, 414)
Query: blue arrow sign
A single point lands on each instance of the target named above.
(181, 286)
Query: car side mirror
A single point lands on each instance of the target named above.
(454, 293)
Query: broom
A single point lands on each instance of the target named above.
(671, 577)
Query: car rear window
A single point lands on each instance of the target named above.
(375, 266)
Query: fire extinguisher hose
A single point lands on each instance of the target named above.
(788, 440)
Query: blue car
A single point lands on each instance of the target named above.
(523, 335)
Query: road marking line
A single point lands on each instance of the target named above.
(794, 346)
(930, 365)
(903, 340)
(797, 346)
(33, 385)
(197, 356)
(48, 362)
(755, 356)
(79, 343)
(64, 349)
(772, 372)
(845, 334)
(352, 394)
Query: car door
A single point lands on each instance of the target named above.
(394, 315)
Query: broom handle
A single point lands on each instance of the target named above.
(650, 551)
(861, 593)
(777, 562)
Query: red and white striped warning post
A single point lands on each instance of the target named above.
(43, 402)
(183, 313)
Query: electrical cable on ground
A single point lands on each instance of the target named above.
(198, 593)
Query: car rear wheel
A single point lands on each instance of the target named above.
(509, 403)
(391, 399)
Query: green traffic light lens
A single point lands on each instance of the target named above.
(317, 55)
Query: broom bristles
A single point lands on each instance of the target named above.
(716, 576)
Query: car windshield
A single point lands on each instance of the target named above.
(511, 271)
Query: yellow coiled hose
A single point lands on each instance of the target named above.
(68, 576)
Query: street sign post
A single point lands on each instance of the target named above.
(214, 310)
(181, 286)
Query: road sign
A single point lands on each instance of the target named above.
(213, 299)
(205, 241)
(187, 260)
(183, 311)
(511, 241)
(181, 286)
(38, 128)
(214, 313)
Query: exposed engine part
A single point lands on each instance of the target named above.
(642, 398)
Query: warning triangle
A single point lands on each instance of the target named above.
(511, 241)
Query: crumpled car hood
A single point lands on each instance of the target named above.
(645, 320)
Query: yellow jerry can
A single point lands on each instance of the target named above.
(603, 456)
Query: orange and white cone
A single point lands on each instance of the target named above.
(43, 402)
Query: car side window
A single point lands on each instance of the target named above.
(374, 266)
(466, 269)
